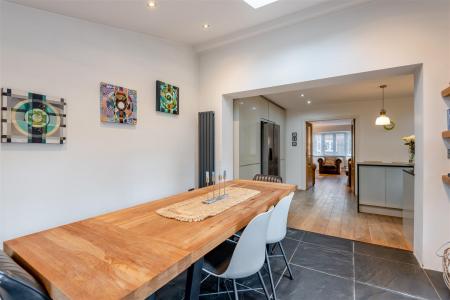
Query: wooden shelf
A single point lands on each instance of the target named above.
(446, 134)
(446, 92)
(446, 179)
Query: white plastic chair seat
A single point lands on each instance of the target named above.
(277, 228)
(236, 260)
(273, 241)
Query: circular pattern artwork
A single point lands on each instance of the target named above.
(118, 104)
(32, 118)
(41, 118)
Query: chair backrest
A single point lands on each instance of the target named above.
(249, 255)
(16, 283)
(278, 220)
(268, 178)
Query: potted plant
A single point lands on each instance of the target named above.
(410, 141)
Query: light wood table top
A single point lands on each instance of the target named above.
(131, 253)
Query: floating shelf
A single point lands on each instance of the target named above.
(446, 179)
(446, 134)
(446, 92)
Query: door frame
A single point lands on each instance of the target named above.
(309, 136)
(355, 120)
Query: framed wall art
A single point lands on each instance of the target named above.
(117, 104)
(32, 118)
(167, 98)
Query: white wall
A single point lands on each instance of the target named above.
(373, 143)
(248, 113)
(102, 167)
(372, 36)
(327, 128)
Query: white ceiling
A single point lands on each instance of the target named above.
(363, 90)
(182, 20)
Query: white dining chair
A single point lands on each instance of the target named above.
(246, 259)
(276, 232)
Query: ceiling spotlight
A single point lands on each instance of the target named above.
(151, 4)
(309, 101)
(302, 95)
(206, 26)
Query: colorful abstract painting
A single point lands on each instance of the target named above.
(167, 98)
(118, 104)
(32, 118)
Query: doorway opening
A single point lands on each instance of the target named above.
(367, 206)
(330, 153)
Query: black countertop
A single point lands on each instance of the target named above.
(409, 171)
(385, 164)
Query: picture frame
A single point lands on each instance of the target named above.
(167, 98)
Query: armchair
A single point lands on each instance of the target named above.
(330, 165)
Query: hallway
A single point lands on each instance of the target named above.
(330, 208)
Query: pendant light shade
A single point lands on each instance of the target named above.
(382, 118)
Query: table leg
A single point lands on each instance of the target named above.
(194, 277)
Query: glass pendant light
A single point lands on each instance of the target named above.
(382, 118)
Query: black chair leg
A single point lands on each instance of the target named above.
(151, 297)
(286, 261)
(263, 285)
(273, 249)
(236, 297)
(270, 276)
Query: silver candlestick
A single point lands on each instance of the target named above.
(207, 182)
(220, 179)
(213, 182)
(224, 181)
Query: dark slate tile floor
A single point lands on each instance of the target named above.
(327, 267)
(439, 284)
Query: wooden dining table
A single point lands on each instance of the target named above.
(133, 252)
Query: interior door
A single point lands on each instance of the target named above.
(309, 156)
(353, 168)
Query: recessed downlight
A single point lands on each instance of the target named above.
(309, 102)
(302, 95)
(151, 3)
(206, 26)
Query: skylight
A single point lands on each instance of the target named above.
(259, 3)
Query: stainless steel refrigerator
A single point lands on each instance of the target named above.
(270, 148)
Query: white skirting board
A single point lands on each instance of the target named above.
(380, 210)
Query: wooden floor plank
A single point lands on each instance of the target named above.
(330, 208)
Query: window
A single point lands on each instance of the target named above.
(337, 143)
(329, 143)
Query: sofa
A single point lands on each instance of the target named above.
(329, 165)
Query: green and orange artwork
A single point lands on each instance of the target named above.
(167, 98)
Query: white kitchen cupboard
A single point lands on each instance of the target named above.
(380, 187)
